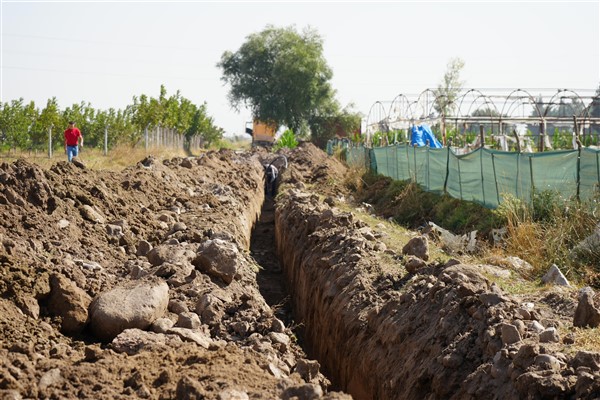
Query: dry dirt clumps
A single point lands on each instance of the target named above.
(441, 331)
(311, 167)
(158, 255)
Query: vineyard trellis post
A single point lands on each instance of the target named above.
(50, 140)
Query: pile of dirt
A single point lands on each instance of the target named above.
(311, 167)
(162, 250)
(439, 331)
(142, 283)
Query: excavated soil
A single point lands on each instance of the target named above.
(279, 298)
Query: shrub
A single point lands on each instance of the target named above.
(287, 139)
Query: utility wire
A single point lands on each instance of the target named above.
(18, 35)
(104, 73)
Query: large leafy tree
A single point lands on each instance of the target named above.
(280, 75)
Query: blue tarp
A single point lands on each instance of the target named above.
(421, 134)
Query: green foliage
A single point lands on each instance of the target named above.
(287, 140)
(409, 205)
(24, 126)
(280, 75)
(377, 139)
(325, 126)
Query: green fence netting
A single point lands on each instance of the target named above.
(486, 176)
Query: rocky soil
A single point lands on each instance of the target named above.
(176, 279)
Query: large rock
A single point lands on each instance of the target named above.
(586, 313)
(135, 304)
(418, 247)
(218, 258)
(68, 302)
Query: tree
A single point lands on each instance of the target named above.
(594, 109)
(16, 121)
(343, 123)
(448, 90)
(280, 75)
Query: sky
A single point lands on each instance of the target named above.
(106, 52)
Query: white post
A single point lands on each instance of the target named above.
(146, 136)
(50, 141)
(106, 140)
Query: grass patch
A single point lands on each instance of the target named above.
(409, 205)
(118, 158)
(587, 339)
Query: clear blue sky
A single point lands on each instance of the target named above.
(106, 52)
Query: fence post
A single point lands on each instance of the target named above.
(542, 134)
(443, 128)
(447, 167)
(495, 179)
(481, 136)
(106, 140)
(50, 141)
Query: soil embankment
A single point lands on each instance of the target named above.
(152, 283)
(443, 330)
(140, 284)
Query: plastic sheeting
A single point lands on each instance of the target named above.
(421, 134)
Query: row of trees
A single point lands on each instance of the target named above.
(282, 76)
(24, 126)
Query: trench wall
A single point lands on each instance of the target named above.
(377, 340)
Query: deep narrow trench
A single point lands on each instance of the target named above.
(271, 279)
(270, 276)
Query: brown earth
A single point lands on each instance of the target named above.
(245, 292)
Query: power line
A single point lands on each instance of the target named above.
(103, 73)
(99, 42)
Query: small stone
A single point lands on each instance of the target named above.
(547, 362)
(188, 320)
(555, 276)
(586, 313)
(549, 335)
(418, 247)
(177, 306)
(143, 248)
(162, 325)
(178, 227)
(232, 394)
(277, 325)
(510, 334)
(51, 378)
(304, 392)
(536, 327)
(413, 264)
(63, 223)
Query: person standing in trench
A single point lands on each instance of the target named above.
(271, 173)
(73, 139)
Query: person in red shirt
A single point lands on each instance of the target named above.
(73, 139)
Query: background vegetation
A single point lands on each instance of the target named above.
(24, 126)
(548, 230)
(282, 76)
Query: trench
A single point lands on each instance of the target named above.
(271, 278)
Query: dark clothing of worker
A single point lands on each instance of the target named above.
(271, 181)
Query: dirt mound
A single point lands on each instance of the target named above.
(442, 331)
(171, 239)
(68, 233)
(309, 165)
